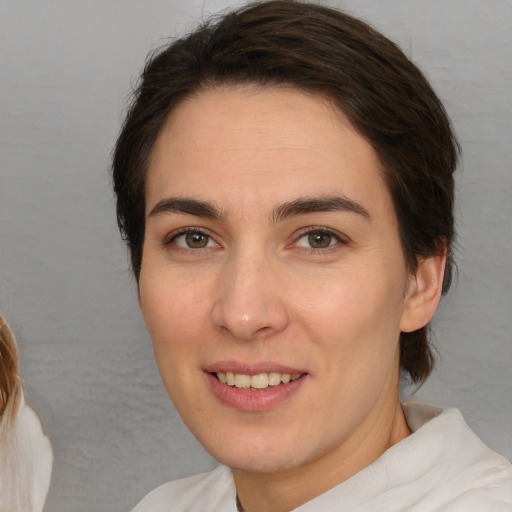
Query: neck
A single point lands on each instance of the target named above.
(286, 490)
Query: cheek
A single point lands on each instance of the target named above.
(353, 313)
(175, 314)
(356, 338)
(169, 303)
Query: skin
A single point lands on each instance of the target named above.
(259, 293)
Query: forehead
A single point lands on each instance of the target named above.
(278, 143)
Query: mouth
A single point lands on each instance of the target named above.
(260, 388)
(257, 382)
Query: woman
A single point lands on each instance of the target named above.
(25, 452)
(284, 181)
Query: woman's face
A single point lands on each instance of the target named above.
(272, 261)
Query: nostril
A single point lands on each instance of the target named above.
(247, 316)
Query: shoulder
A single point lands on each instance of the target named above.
(38, 454)
(211, 491)
(31, 431)
(27, 456)
(34, 443)
(468, 475)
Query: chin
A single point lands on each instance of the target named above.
(259, 462)
(253, 451)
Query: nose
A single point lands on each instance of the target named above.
(250, 304)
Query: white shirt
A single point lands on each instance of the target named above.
(441, 466)
(24, 485)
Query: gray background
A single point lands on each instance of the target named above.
(66, 70)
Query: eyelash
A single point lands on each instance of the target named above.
(312, 230)
(171, 239)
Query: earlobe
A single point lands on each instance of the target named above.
(424, 293)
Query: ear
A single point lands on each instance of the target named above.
(423, 293)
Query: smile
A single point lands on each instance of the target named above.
(256, 386)
(255, 382)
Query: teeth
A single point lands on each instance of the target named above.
(242, 381)
(259, 381)
(274, 379)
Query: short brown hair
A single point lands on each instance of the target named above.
(320, 50)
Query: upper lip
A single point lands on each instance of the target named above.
(252, 368)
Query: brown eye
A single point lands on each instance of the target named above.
(196, 240)
(319, 240)
(192, 239)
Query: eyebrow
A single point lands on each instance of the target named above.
(188, 207)
(319, 204)
(299, 206)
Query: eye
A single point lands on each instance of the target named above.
(318, 239)
(192, 239)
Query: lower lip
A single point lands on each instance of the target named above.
(257, 400)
